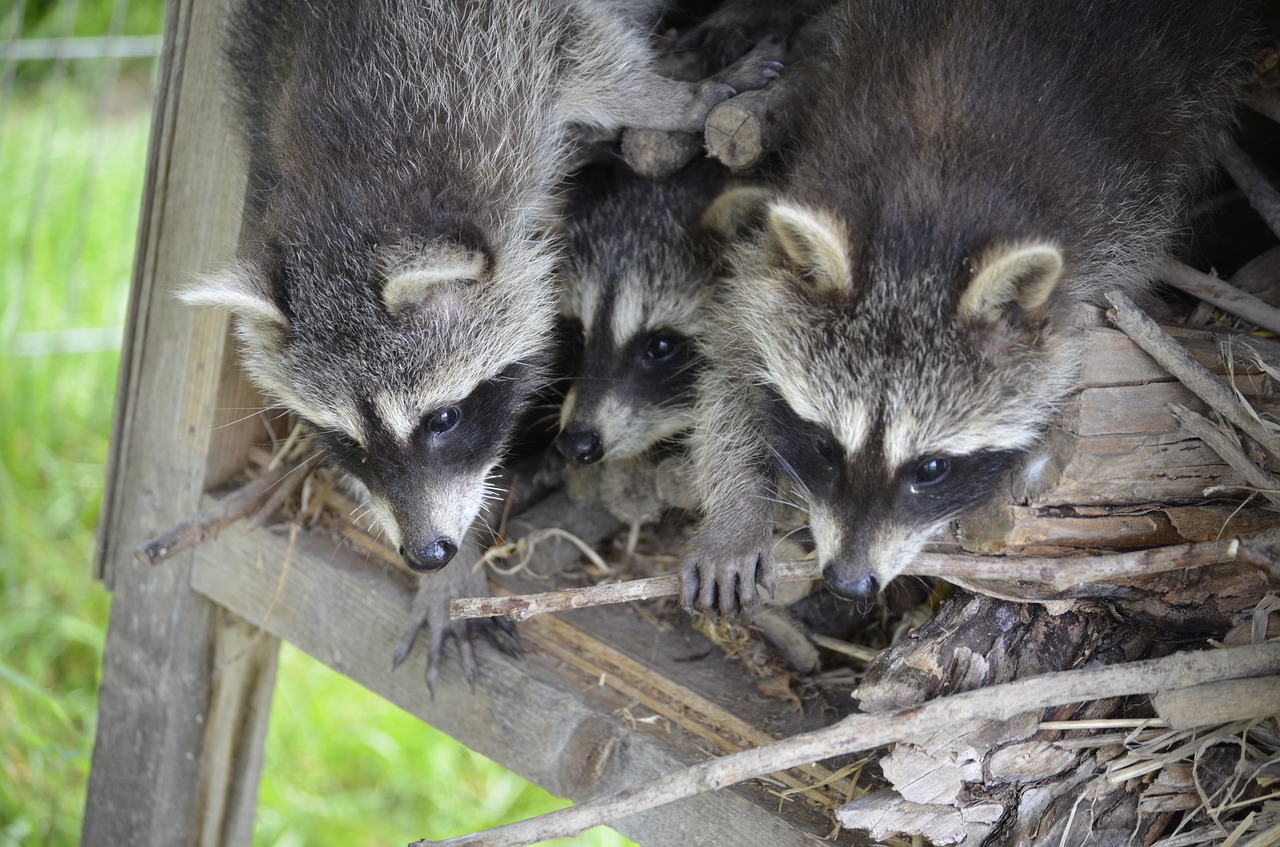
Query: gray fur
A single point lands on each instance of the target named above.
(637, 281)
(404, 159)
(970, 170)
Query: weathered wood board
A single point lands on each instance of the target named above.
(177, 753)
(569, 715)
(1116, 470)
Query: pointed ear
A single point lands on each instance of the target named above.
(1012, 275)
(812, 244)
(417, 275)
(241, 288)
(730, 214)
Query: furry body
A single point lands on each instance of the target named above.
(395, 285)
(895, 330)
(637, 280)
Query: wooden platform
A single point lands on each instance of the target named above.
(601, 700)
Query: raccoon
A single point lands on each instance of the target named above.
(636, 281)
(394, 284)
(896, 327)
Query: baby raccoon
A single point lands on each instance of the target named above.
(895, 330)
(636, 280)
(394, 287)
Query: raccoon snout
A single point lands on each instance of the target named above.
(856, 587)
(430, 557)
(583, 447)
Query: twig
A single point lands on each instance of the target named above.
(1195, 376)
(864, 732)
(207, 523)
(523, 606)
(1262, 195)
(656, 153)
(742, 130)
(1061, 573)
(1225, 296)
(1265, 483)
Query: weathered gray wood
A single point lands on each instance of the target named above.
(148, 786)
(534, 715)
(244, 674)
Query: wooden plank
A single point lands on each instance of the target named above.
(158, 713)
(559, 728)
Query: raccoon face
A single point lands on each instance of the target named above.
(413, 364)
(869, 517)
(899, 391)
(634, 382)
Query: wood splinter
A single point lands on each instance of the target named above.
(1060, 573)
(270, 488)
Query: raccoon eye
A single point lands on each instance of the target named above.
(348, 445)
(663, 346)
(825, 448)
(930, 472)
(444, 420)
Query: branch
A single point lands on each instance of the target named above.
(1221, 443)
(1261, 194)
(207, 523)
(742, 130)
(1227, 297)
(865, 732)
(1061, 573)
(1195, 376)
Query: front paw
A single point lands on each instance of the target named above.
(430, 615)
(720, 580)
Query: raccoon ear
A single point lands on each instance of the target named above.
(734, 211)
(424, 273)
(811, 243)
(240, 288)
(1021, 275)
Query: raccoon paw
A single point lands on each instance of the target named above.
(723, 584)
(753, 71)
(431, 613)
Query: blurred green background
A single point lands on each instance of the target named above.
(73, 136)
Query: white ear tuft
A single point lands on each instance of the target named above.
(238, 288)
(813, 244)
(416, 277)
(733, 211)
(1021, 275)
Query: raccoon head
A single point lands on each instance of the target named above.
(413, 362)
(901, 384)
(634, 381)
(636, 284)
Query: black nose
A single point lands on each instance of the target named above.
(430, 557)
(864, 587)
(583, 447)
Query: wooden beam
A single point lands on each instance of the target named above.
(167, 769)
(534, 714)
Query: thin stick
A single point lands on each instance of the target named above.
(1060, 573)
(865, 732)
(1225, 296)
(1266, 484)
(1195, 376)
(1262, 195)
(207, 523)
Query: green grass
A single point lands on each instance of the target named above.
(343, 767)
